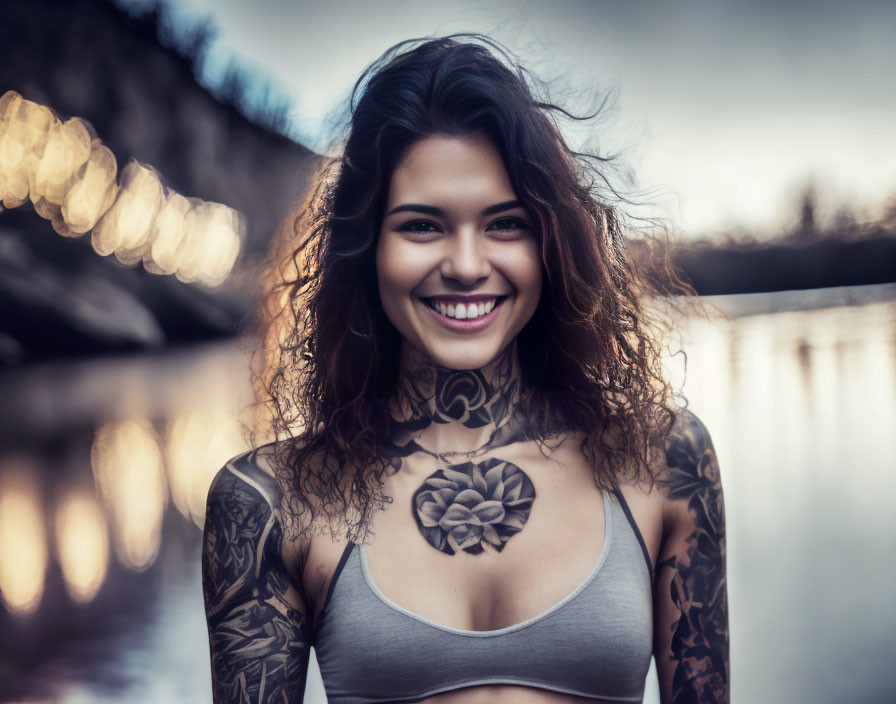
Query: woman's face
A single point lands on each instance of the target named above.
(457, 261)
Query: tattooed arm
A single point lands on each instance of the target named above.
(256, 610)
(691, 601)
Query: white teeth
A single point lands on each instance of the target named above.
(461, 311)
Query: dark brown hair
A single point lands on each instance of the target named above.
(590, 352)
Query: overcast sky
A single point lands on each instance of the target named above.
(724, 110)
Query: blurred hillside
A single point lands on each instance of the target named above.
(843, 252)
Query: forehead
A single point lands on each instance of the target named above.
(447, 168)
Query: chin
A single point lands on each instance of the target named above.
(464, 359)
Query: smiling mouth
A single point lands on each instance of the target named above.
(464, 311)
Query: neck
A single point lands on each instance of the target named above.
(466, 410)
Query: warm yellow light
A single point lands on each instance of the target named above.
(27, 126)
(67, 149)
(221, 246)
(71, 180)
(23, 543)
(82, 544)
(92, 192)
(189, 252)
(126, 226)
(8, 104)
(211, 242)
(197, 446)
(169, 232)
(129, 470)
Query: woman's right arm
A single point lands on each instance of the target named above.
(257, 613)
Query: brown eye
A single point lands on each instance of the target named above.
(507, 224)
(417, 226)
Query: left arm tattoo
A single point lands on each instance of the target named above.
(257, 615)
(691, 638)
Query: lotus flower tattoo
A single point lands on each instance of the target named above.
(465, 506)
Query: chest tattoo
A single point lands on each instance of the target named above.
(466, 506)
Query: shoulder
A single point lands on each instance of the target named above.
(248, 476)
(245, 510)
(683, 485)
(245, 492)
(259, 474)
(689, 452)
(689, 479)
(239, 536)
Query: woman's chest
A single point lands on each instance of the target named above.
(486, 543)
(549, 518)
(405, 620)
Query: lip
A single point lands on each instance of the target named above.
(465, 326)
(466, 300)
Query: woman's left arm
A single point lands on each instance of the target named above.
(690, 593)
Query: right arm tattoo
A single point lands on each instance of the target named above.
(257, 615)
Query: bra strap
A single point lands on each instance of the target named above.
(342, 560)
(631, 520)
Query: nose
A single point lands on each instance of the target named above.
(466, 257)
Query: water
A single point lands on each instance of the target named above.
(802, 408)
(798, 391)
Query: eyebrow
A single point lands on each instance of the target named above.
(438, 212)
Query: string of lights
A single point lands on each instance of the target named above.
(73, 181)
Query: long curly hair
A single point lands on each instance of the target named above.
(590, 354)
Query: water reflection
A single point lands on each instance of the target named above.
(98, 569)
(803, 427)
(82, 544)
(23, 540)
(197, 444)
(128, 467)
(800, 398)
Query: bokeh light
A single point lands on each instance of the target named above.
(125, 228)
(168, 234)
(23, 136)
(197, 444)
(129, 470)
(68, 148)
(93, 191)
(70, 178)
(23, 541)
(82, 543)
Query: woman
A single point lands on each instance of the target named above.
(493, 498)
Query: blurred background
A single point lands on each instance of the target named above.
(151, 155)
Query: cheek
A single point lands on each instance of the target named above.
(396, 275)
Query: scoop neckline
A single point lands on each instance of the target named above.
(608, 536)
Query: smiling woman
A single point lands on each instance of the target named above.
(492, 494)
(461, 284)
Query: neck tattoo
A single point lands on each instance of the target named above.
(466, 505)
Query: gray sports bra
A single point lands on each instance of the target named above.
(595, 643)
